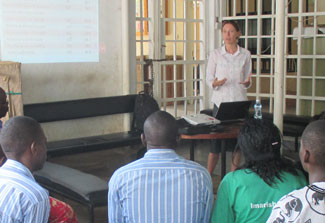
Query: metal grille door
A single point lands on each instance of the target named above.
(171, 53)
(304, 81)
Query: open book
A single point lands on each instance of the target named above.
(200, 119)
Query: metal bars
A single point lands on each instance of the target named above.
(304, 91)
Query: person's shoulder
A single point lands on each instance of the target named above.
(239, 173)
(20, 179)
(126, 168)
(306, 193)
(200, 167)
(320, 185)
(235, 176)
(244, 51)
(26, 189)
(242, 177)
(297, 194)
(219, 50)
(41, 194)
(215, 52)
(196, 167)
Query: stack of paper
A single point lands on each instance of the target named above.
(200, 119)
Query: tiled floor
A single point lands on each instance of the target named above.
(104, 163)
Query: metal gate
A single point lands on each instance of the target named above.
(304, 80)
(171, 53)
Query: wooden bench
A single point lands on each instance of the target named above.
(85, 108)
(74, 184)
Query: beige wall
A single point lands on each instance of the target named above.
(321, 8)
(66, 81)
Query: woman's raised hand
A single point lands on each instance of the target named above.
(217, 82)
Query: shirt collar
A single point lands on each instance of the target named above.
(160, 153)
(17, 167)
(223, 50)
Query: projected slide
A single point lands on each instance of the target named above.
(49, 31)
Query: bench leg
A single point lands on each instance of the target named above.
(223, 158)
(192, 149)
(296, 144)
(91, 214)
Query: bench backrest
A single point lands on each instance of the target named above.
(299, 120)
(82, 108)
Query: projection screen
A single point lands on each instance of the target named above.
(49, 31)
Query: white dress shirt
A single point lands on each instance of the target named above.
(235, 67)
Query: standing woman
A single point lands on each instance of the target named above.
(228, 75)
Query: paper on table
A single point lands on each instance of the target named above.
(201, 119)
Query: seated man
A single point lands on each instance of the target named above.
(22, 199)
(161, 186)
(60, 212)
(308, 203)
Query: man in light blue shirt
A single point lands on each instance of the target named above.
(21, 198)
(162, 186)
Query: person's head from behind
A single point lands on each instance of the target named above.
(3, 113)
(312, 149)
(3, 103)
(260, 142)
(321, 116)
(22, 139)
(160, 131)
(230, 31)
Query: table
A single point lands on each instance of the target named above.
(229, 131)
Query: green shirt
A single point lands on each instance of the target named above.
(244, 197)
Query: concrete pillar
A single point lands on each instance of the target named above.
(279, 64)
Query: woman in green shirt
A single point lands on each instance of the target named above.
(249, 193)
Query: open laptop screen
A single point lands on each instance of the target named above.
(233, 110)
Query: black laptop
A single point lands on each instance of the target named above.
(230, 112)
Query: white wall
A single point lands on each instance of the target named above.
(66, 81)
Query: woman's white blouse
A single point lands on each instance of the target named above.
(235, 67)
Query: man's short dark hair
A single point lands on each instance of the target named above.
(161, 129)
(313, 139)
(18, 133)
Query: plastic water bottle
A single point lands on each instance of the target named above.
(258, 109)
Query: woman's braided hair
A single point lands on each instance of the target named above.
(260, 143)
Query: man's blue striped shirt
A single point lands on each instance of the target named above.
(161, 187)
(22, 199)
